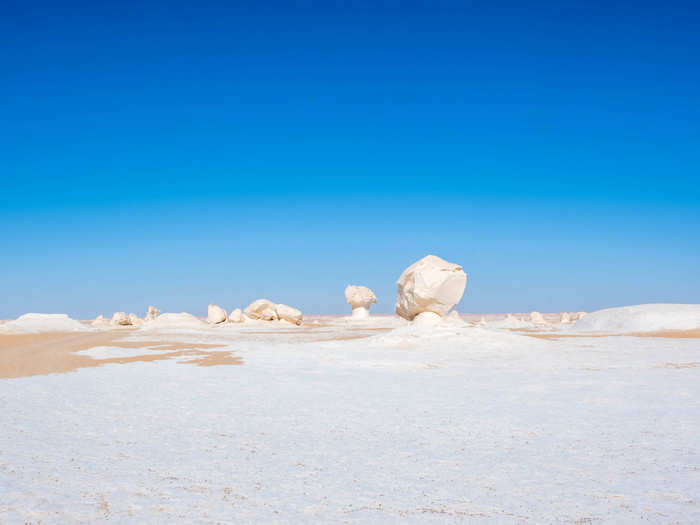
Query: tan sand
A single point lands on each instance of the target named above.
(23, 355)
(665, 334)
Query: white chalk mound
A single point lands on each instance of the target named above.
(135, 320)
(100, 322)
(536, 318)
(510, 323)
(172, 320)
(216, 314)
(641, 318)
(35, 323)
(289, 314)
(360, 298)
(429, 285)
(236, 316)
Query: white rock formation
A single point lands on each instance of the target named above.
(262, 309)
(429, 285)
(100, 321)
(265, 310)
(565, 318)
(120, 319)
(288, 313)
(152, 313)
(536, 318)
(236, 316)
(578, 315)
(135, 320)
(216, 314)
(360, 298)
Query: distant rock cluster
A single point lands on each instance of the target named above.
(427, 292)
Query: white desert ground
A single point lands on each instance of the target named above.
(369, 420)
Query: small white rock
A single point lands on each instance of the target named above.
(236, 316)
(216, 314)
(289, 314)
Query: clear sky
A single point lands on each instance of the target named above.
(178, 154)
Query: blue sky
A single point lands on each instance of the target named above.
(185, 153)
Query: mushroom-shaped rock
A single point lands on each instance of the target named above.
(134, 320)
(152, 313)
(236, 316)
(121, 319)
(288, 313)
(429, 285)
(262, 309)
(216, 314)
(360, 299)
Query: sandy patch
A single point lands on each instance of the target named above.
(682, 365)
(665, 334)
(23, 355)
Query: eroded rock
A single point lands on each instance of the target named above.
(360, 299)
(216, 314)
(429, 285)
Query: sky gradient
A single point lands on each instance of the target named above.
(186, 153)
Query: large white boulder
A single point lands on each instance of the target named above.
(216, 314)
(236, 316)
(288, 313)
(429, 285)
(135, 320)
(152, 313)
(120, 319)
(262, 309)
(565, 318)
(360, 298)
